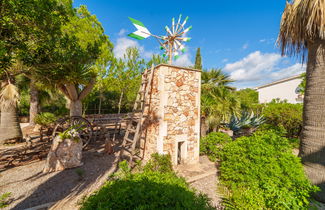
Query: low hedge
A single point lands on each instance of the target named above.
(212, 144)
(149, 189)
(261, 172)
(285, 115)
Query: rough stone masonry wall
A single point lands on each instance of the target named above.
(174, 114)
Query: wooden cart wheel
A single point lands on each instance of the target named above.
(81, 124)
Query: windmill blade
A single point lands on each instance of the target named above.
(142, 31)
(181, 47)
(176, 55)
(178, 22)
(168, 30)
(185, 21)
(173, 25)
(186, 30)
(184, 39)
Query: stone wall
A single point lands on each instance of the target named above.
(173, 124)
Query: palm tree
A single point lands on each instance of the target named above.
(303, 30)
(218, 102)
(9, 124)
(215, 78)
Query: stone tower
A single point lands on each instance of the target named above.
(173, 124)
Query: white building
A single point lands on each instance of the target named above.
(285, 89)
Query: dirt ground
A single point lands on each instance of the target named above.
(31, 188)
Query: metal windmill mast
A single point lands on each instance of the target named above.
(171, 43)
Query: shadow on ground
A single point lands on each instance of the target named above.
(67, 183)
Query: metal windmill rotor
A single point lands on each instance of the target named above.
(171, 43)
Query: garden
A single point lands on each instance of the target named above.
(67, 103)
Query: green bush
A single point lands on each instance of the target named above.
(150, 189)
(4, 199)
(261, 172)
(159, 163)
(289, 116)
(211, 145)
(45, 119)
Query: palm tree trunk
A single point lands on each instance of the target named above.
(75, 108)
(9, 126)
(34, 102)
(312, 147)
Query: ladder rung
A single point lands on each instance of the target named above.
(129, 151)
(128, 140)
(133, 130)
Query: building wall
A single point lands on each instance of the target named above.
(174, 114)
(284, 91)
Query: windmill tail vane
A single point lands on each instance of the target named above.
(171, 43)
(142, 31)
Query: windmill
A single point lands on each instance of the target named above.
(171, 43)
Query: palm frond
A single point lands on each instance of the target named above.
(9, 96)
(302, 21)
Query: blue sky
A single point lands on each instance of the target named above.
(237, 36)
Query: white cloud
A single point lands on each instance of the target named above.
(295, 69)
(245, 46)
(122, 43)
(225, 60)
(122, 32)
(253, 66)
(260, 68)
(184, 60)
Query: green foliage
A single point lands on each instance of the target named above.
(150, 189)
(261, 172)
(218, 102)
(288, 116)
(302, 85)
(159, 163)
(156, 60)
(4, 199)
(248, 98)
(198, 59)
(212, 144)
(45, 119)
(246, 120)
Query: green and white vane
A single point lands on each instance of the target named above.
(171, 43)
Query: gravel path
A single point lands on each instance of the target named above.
(202, 177)
(208, 186)
(29, 187)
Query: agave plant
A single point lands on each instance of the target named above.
(246, 120)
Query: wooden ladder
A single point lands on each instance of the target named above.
(133, 144)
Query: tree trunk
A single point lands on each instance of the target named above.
(34, 102)
(312, 147)
(120, 102)
(100, 102)
(204, 127)
(75, 108)
(9, 127)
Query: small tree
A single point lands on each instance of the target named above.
(198, 59)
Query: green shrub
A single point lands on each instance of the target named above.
(212, 144)
(150, 189)
(159, 163)
(45, 119)
(4, 199)
(261, 172)
(289, 116)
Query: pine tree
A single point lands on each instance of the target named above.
(198, 59)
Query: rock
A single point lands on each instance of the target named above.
(64, 154)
